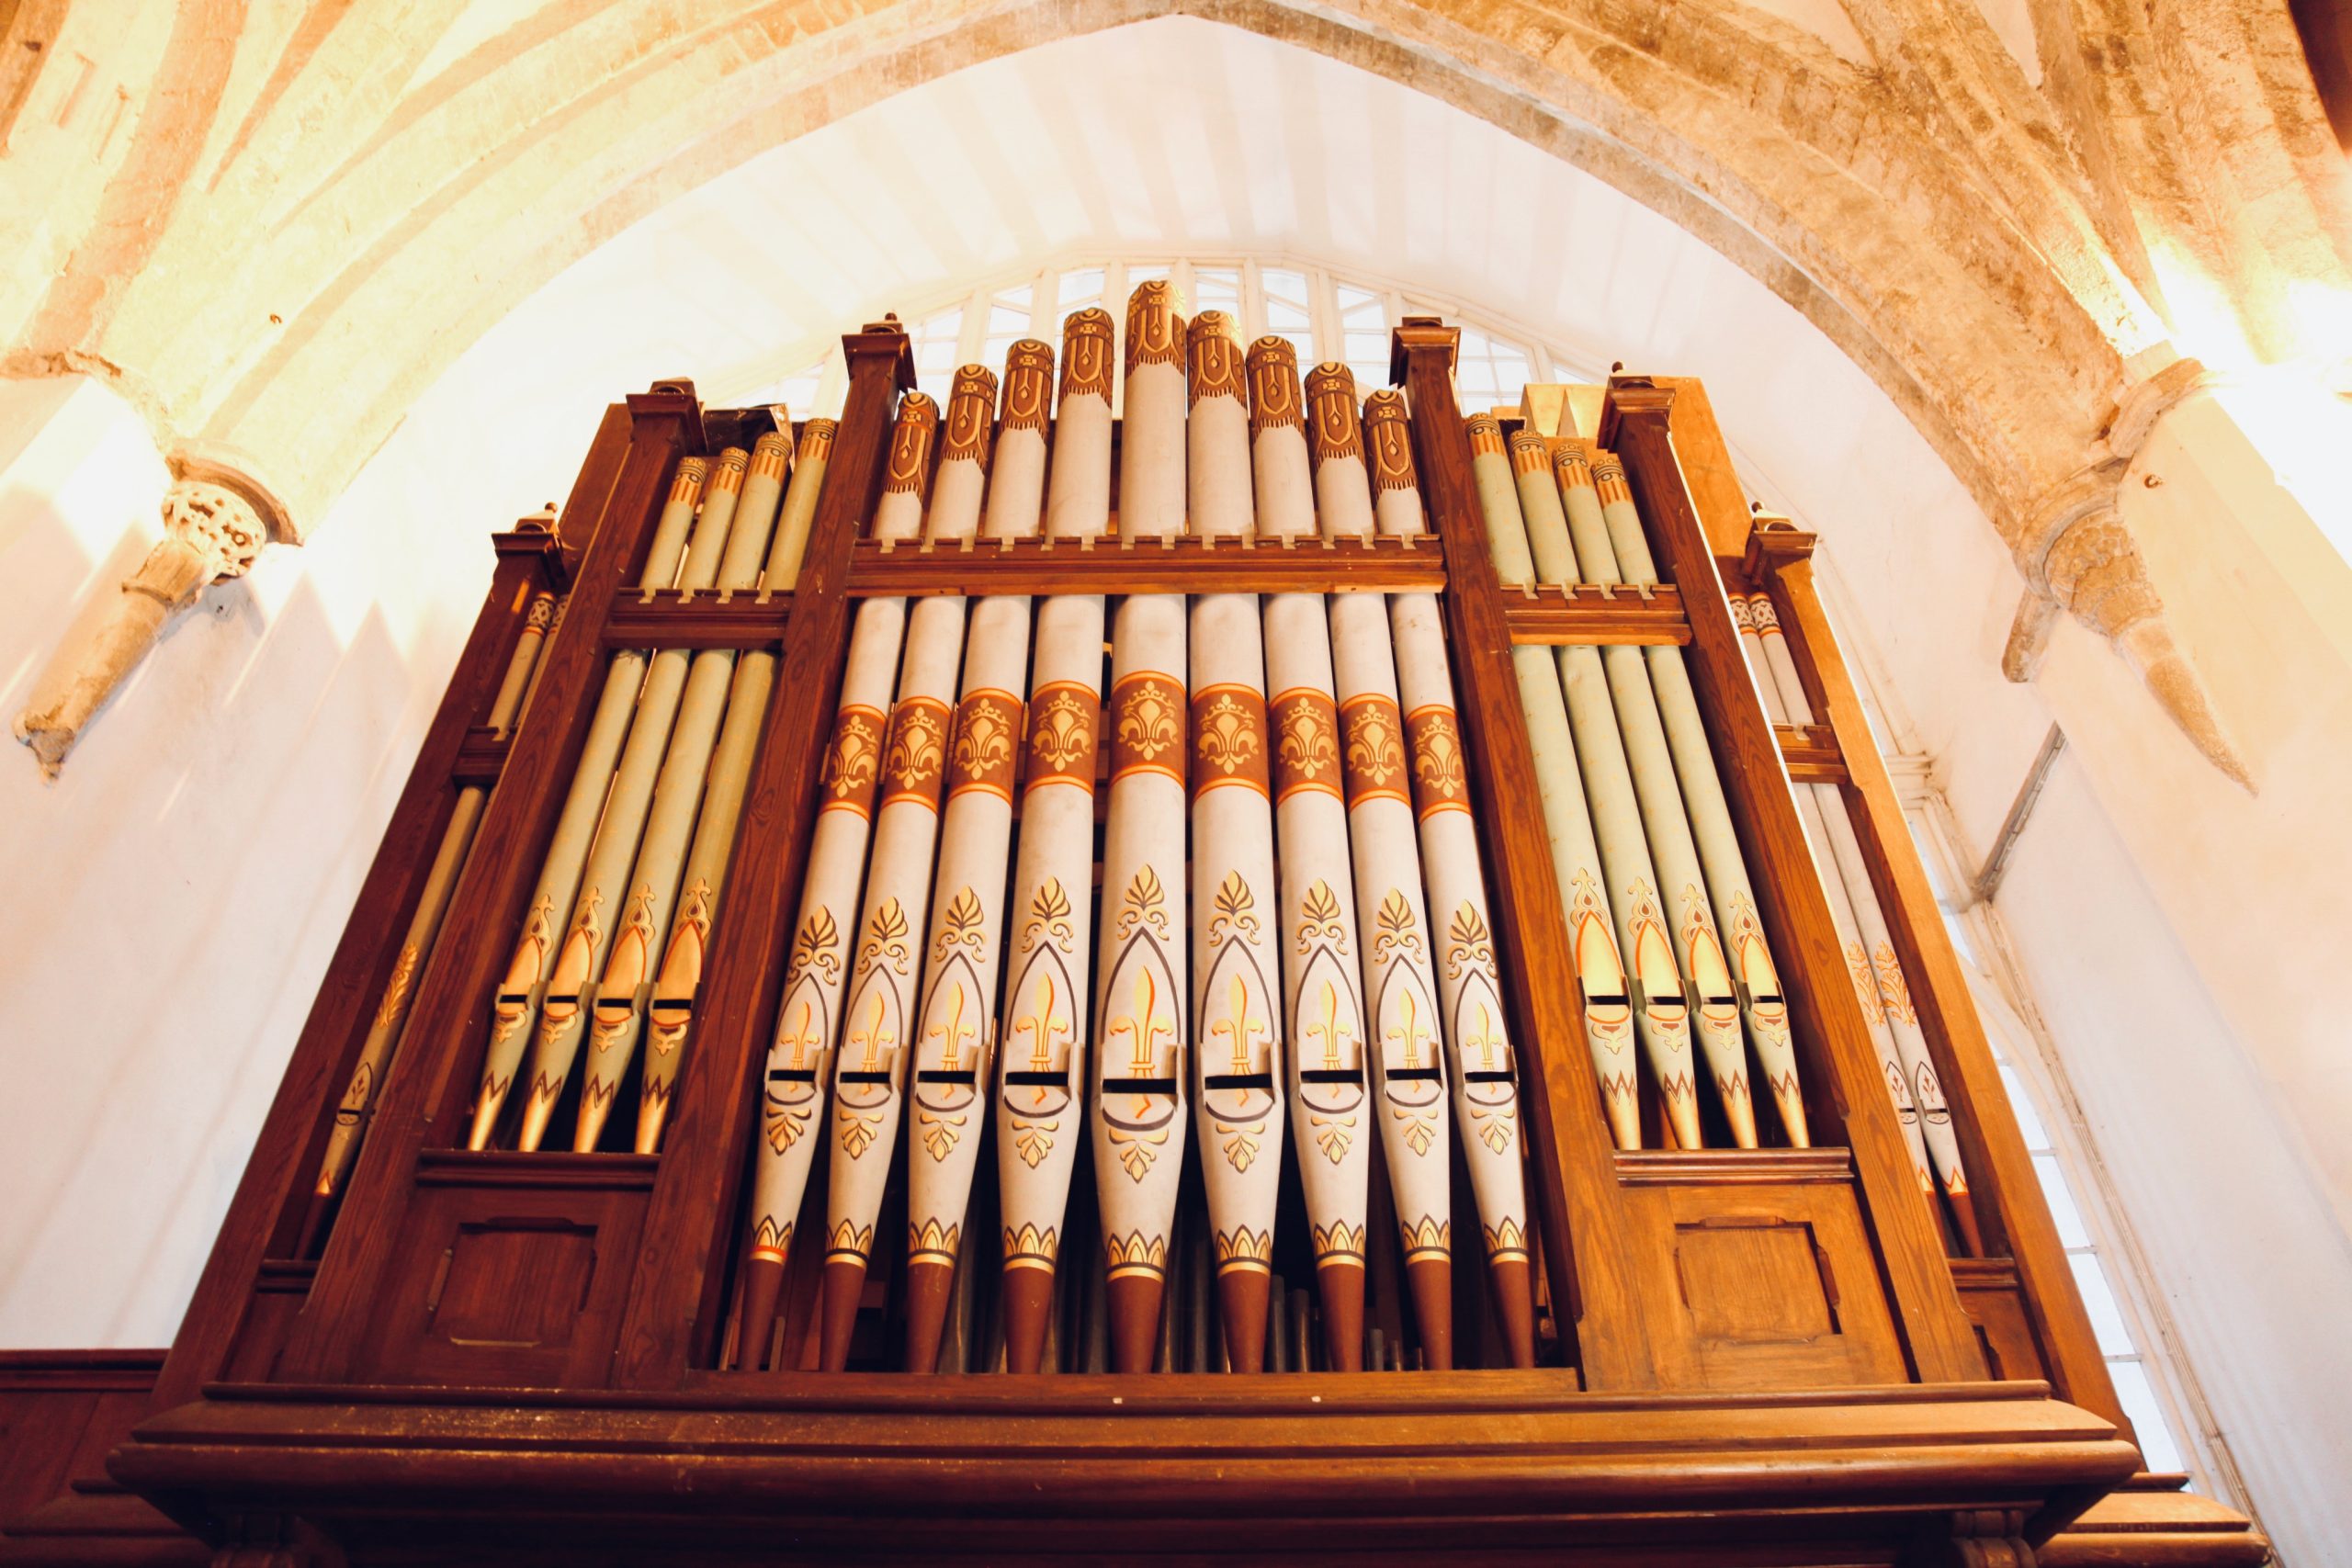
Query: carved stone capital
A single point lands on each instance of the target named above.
(216, 520)
(2080, 556)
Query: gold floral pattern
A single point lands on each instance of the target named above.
(1439, 780)
(916, 751)
(1149, 733)
(1061, 734)
(852, 762)
(988, 724)
(1228, 738)
(1306, 745)
(1375, 752)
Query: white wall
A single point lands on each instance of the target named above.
(177, 893)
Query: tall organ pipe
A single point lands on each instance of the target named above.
(1041, 1104)
(1871, 955)
(956, 1039)
(808, 1020)
(1139, 1106)
(1400, 988)
(1236, 968)
(653, 887)
(515, 1004)
(870, 1071)
(1484, 1068)
(1593, 942)
(669, 1007)
(1322, 985)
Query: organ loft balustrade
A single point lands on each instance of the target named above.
(1285, 971)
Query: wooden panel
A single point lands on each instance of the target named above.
(1182, 565)
(1832, 1037)
(278, 1296)
(1589, 613)
(2011, 1213)
(511, 1271)
(1707, 466)
(1995, 1303)
(1775, 1286)
(61, 1412)
(1578, 1205)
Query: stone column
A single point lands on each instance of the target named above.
(216, 520)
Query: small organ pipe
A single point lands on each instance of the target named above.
(604, 887)
(515, 1005)
(1622, 803)
(1886, 971)
(624, 990)
(1755, 979)
(1594, 948)
(670, 1006)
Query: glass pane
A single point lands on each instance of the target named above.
(2020, 1101)
(2138, 1398)
(1082, 288)
(1141, 273)
(935, 346)
(1008, 323)
(1217, 289)
(1364, 336)
(1289, 312)
(2072, 1232)
(2106, 1318)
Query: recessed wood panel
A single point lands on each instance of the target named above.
(514, 1284)
(1753, 1280)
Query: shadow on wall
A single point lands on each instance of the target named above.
(179, 891)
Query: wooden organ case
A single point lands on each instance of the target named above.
(1547, 1222)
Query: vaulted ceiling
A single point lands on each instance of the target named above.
(271, 226)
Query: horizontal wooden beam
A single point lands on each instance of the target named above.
(1732, 1167)
(1587, 614)
(1184, 565)
(669, 619)
(481, 757)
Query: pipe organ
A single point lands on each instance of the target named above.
(1169, 956)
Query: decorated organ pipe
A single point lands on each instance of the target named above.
(1483, 1063)
(956, 1039)
(1406, 1046)
(1237, 1046)
(1141, 1095)
(878, 1029)
(668, 1003)
(797, 1080)
(1331, 1108)
(1863, 934)
(1042, 1098)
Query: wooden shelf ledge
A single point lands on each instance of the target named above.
(1586, 614)
(1186, 565)
(481, 757)
(545, 1169)
(669, 619)
(1732, 1167)
(1810, 753)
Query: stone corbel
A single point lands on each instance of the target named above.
(216, 518)
(2080, 558)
